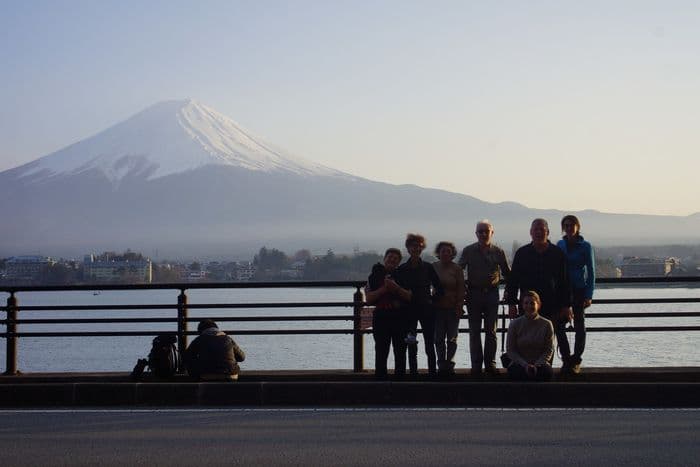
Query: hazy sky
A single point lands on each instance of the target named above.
(553, 104)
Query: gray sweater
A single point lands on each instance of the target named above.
(530, 340)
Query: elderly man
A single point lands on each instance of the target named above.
(484, 263)
(541, 266)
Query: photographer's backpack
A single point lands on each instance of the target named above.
(164, 359)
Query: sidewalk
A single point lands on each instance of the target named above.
(602, 387)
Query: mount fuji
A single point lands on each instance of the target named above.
(169, 138)
(183, 179)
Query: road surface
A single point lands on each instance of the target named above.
(391, 436)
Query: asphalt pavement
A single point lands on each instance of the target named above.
(353, 436)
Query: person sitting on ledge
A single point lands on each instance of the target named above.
(530, 342)
(213, 356)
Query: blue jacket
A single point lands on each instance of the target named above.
(580, 264)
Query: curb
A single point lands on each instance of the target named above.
(353, 394)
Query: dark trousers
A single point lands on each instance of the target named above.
(517, 373)
(388, 331)
(482, 305)
(426, 316)
(559, 324)
(579, 329)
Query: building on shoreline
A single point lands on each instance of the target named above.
(136, 271)
(28, 269)
(648, 267)
(245, 271)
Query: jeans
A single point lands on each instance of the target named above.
(446, 331)
(388, 330)
(426, 316)
(482, 305)
(579, 329)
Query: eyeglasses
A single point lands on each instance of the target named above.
(482, 231)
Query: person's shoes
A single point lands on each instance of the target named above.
(446, 372)
(492, 370)
(450, 370)
(566, 367)
(575, 363)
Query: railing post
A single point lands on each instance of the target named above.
(358, 336)
(182, 327)
(11, 355)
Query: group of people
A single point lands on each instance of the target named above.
(547, 287)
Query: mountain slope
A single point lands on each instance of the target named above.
(184, 180)
(167, 138)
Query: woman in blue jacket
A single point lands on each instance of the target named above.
(581, 268)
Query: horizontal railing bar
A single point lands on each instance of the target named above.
(203, 306)
(184, 286)
(91, 320)
(659, 314)
(640, 329)
(615, 329)
(194, 306)
(292, 284)
(261, 332)
(174, 319)
(650, 314)
(242, 332)
(647, 280)
(613, 301)
(632, 314)
(95, 307)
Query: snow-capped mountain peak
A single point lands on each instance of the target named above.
(167, 138)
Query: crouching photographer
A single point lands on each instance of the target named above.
(213, 356)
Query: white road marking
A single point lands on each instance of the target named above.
(348, 409)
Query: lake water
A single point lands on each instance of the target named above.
(285, 352)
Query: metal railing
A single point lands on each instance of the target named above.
(182, 308)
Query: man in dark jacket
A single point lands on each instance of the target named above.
(213, 355)
(541, 266)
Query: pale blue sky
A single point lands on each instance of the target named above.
(553, 104)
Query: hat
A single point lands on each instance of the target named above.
(206, 324)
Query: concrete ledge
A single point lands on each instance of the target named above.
(589, 375)
(112, 394)
(358, 394)
(596, 387)
(37, 395)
